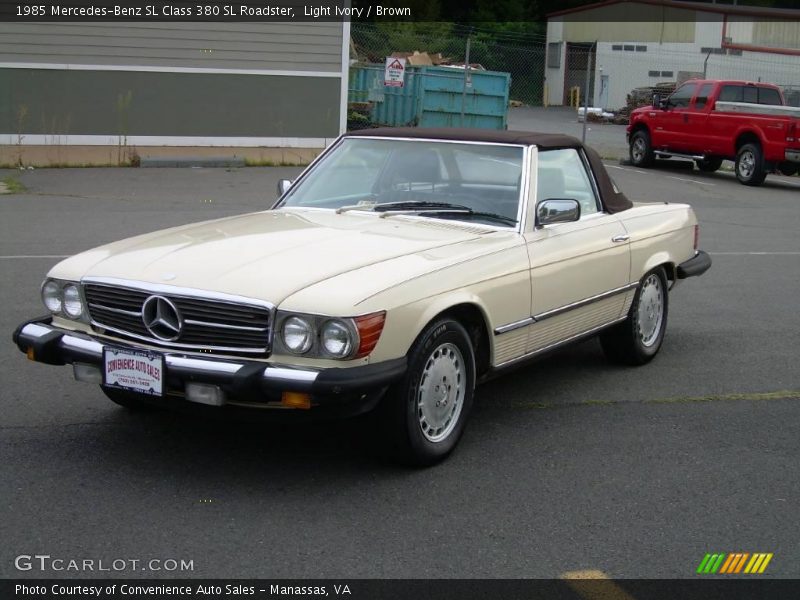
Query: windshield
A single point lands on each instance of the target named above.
(476, 182)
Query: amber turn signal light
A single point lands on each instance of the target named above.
(296, 400)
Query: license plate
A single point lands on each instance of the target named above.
(134, 370)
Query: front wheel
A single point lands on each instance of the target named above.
(749, 167)
(638, 338)
(640, 149)
(424, 415)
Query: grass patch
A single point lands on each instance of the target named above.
(12, 185)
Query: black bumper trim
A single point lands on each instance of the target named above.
(239, 378)
(696, 266)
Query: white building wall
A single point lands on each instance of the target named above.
(554, 77)
(627, 70)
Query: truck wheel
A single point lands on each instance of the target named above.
(129, 400)
(424, 415)
(750, 165)
(638, 338)
(788, 169)
(641, 152)
(709, 165)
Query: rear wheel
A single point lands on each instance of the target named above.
(641, 152)
(709, 165)
(750, 169)
(129, 400)
(424, 415)
(638, 338)
(788, 169)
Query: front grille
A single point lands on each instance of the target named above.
(208, 324)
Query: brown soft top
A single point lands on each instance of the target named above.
(613, 200)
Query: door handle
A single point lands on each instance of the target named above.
(620, 238)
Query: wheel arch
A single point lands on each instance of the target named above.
(472, 315)
(748, 136)
(661, 259)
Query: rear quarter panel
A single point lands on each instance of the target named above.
(660, 234)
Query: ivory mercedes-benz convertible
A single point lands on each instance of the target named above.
(397, 271)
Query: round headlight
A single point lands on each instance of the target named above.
(298, 335)
(73, 306)
(51, 296)
(337, 339)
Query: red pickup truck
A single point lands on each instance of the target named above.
(711, 121)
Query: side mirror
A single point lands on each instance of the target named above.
(656, 100)
(283, 186)
(557, 210)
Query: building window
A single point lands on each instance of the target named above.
(667, 74)
(629, 47)
(641, 48)
(616, 47)
(554, 55)
(654, 73)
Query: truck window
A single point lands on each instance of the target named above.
(730, 93)
(681, 97)
(702, 95)
(769, 96)
(750, 94)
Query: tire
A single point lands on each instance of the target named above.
(423, 416)
(749, 167)
(709, 165)
(130, 400)
(638, 338)
(788, 169)
(640, 149)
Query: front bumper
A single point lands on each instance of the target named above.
(354, 389)
(695, 266)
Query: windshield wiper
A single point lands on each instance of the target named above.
(439, 208)
(420, 205)
(488, 215)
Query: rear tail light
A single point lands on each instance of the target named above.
(791, 132)
(696, 236)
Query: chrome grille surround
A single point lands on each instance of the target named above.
(222, 323)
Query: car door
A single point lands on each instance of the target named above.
(675, 119)
(579, 270)
(696, 131)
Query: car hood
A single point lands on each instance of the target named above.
(268, 255)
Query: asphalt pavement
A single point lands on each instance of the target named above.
(568, 464)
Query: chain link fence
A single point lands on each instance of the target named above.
(520, 56)
(621, 75)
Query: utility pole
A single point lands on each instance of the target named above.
(586, 94)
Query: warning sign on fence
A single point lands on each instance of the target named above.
(395, 72)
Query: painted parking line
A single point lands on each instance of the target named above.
(690, 180)
(735, 397)
(755, 253)
(24, 256)
(627, 169)
(592, 584)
